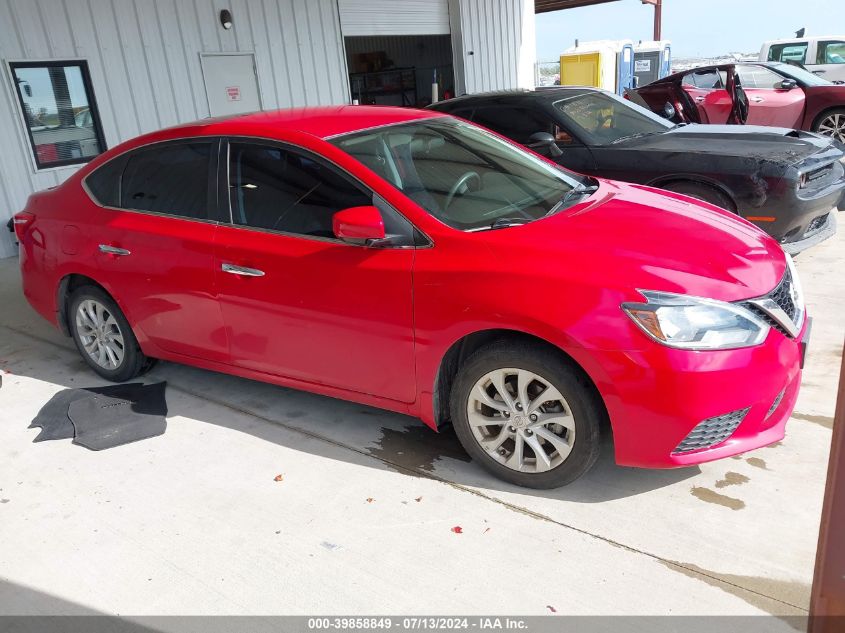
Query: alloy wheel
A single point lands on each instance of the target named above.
(100, 334)
(521, 420)
(833, 125)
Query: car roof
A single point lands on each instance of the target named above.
(549, 93)
(322, 122)
(806, 38)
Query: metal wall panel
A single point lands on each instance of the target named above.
(494, 44)
(394, 17)
(144, 60)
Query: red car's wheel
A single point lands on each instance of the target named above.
(526, 415)
(832, 123)
(103, 336)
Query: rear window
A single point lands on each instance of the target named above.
(104, 182)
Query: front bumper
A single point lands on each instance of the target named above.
(662, 394)
(824, 228)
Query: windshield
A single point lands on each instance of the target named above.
(461, 174)
(800, 74)
(600, 118)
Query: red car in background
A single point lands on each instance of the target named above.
(412, 261)
(766, 93)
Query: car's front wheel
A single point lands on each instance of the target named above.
(526, 415)
(832, 123)
(103, 336)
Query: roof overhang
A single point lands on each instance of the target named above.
(544, 6)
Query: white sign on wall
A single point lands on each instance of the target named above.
(233, 93)
(642, 65)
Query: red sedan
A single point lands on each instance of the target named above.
(412, 261)
(765, 93)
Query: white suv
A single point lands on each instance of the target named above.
(821, 54)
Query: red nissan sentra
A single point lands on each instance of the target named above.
(412, 261)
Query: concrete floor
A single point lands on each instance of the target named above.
(193, 522)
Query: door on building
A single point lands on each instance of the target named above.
(398, 53)
(231, 83)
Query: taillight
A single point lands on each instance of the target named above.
(22, 222)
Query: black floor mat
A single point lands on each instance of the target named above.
(53, 419)
(102, 421)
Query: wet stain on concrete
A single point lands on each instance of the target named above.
(710, 496)
(757, 463)
(417, 447)
(775, 445)
(777, 597)
(732, 479)
(822, 420)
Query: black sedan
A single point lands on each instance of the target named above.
(787, 182)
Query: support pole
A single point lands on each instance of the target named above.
(827, 600)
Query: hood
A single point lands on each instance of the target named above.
(750, 141)
(628, 237)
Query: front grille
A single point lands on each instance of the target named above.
(711, 431)
(815, 225)
(782, 296)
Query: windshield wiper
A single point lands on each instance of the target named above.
(503, 223)
(577, 191)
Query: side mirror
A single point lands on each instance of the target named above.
(544, 143)
(358, 225)
(668, 111)
(788, 84)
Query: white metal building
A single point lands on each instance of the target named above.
(79, 76)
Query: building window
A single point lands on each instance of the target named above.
(60, 111)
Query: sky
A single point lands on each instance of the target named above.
(696, 28)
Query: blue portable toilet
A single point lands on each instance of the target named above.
(625, 67)
(652, 61)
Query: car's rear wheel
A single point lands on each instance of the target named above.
(701, 192)
(832, 123)
(103, 336)
(526, 415)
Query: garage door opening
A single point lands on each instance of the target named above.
(400, 70)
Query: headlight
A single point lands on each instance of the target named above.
(694, 323)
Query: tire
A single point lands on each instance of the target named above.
(90, 307)
(701, 192)
(831, 123)
(578, 408)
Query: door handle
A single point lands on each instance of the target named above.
(699, 99)
(757, 99)
(113, 250)
(241, 270)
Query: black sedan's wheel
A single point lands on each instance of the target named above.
(103, 336)
(832, 123)
(701, 192)
(525, 415)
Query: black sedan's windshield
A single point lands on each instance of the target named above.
(600, 118)
(462, 175)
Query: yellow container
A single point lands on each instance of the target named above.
(581, 69)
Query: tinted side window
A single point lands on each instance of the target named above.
(759, 77)
(517, 124)
(283, 190)
(171, 179)
(104, 182)
(706, 80)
